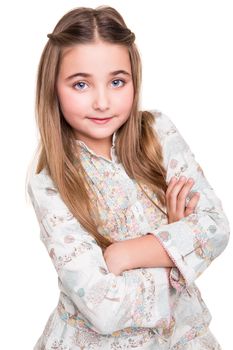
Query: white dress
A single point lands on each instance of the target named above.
(145, 308)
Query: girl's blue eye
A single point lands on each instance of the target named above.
(81, 82)
(120, 80)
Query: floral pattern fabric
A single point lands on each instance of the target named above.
(145, 308)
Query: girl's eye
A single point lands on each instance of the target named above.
(79, 83)
(119, 80)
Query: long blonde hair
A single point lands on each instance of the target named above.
(137, 145)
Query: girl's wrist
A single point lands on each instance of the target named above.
(117, 257)
(132, 251)
(145, 252)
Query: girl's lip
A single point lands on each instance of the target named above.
(100, 118)
(100, 121)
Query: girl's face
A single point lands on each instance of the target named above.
(95, 81)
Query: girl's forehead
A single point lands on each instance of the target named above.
(95, 55)
(97, 47)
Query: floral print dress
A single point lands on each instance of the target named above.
(144, 308)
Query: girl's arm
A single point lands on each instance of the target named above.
(194, 241)
(147, 251)
(109, 302)
(140, 252)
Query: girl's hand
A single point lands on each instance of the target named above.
(176, 194)
(116, 256)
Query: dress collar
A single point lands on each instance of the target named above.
(113, 141)
(83, 144)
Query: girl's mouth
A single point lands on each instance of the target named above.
(100, 121)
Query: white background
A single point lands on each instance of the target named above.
(186, 50)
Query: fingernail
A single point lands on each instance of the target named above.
(190, 180)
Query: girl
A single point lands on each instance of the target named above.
(125, 212)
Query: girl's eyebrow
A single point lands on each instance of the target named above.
(87, 75)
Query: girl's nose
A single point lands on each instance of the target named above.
(101, 100)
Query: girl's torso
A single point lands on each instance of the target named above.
(127, 213)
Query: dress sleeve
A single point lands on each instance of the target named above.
(136, 298)
(196, 240)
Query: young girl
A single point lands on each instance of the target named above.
(125, 211)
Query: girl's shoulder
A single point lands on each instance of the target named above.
(41, 179)
(162, 124)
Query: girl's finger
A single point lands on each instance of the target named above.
(172, 196)
(192, 204)
(182, 196)
(171, 184)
